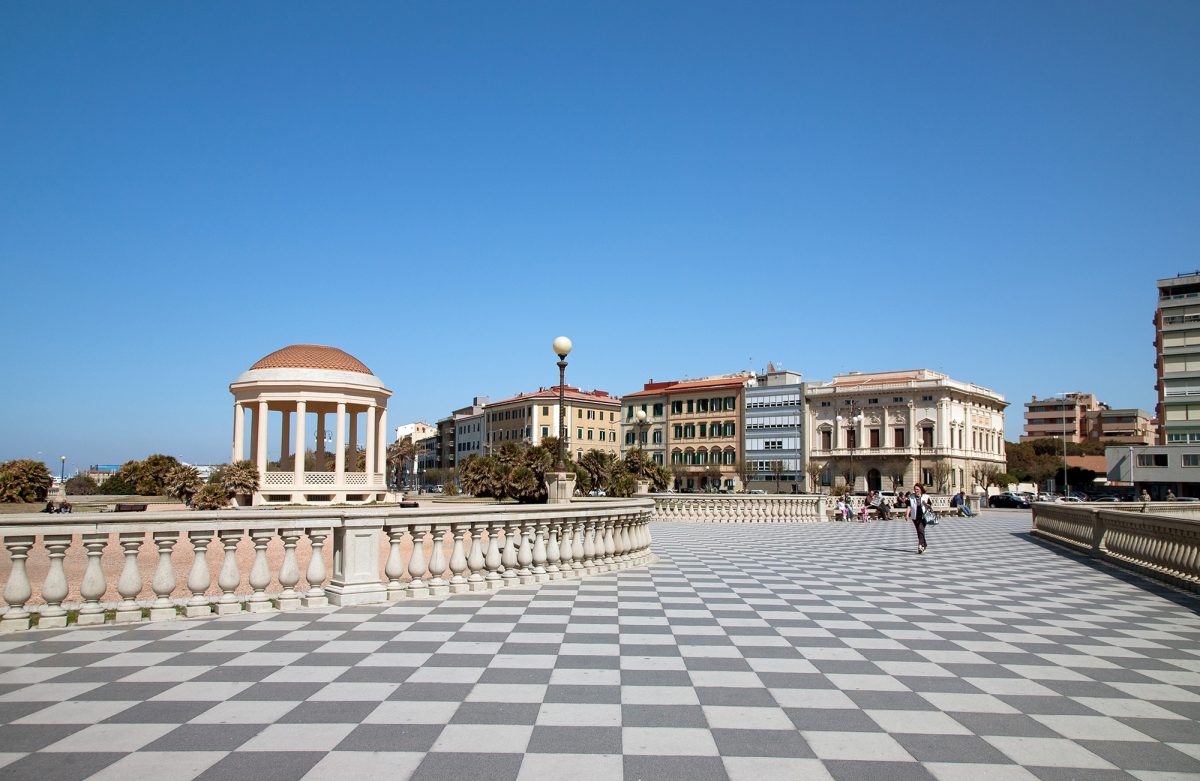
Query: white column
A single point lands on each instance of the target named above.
(381, 448)
(354, 439)
(260, 428)
(370, 442)
(254, 416)
(298, 468)
(239, 432)
(339, 438)
(285, 443)
(320, 448)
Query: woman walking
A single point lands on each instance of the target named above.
(916, 514)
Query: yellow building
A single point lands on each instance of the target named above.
(592, 418)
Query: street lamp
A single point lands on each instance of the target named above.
(62, 470)
(562, 348)
(640, 423)
(1066, 483)
(855, 419)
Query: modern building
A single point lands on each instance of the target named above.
(592, 420)
(887, 430)
(701, 422)
(420, 433)
(1065, 415)
(1156, 469)
(774, 431)
(1129, 426)
(1177, 364)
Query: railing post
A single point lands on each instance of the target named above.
(260, 572)
(18, 590)
(476, 561)
(416, 564)
(229, 578)
(355, 578)
(163, 582)
(54, 589)
(198, 578)
(130, 583)
(458, 560)
(93, 586)
(289, 570)
(315, 576)
(494, 560)
(437, 561)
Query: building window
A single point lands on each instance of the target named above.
(601, 435)
(591, 432)
(826, 442)
(579, 435)
(1152, 459)
(1191, 459)
(703, 430)
(730, 429)
(545, 410)
(897, 399)
(898, 437)
(872, 401)
(826, 404)
(658, 410)
(676, 407)
(1176, 439)
(927, 436)
(927, 398)
(702, 405)
(629, 412)
(691, 406)
(658, 436)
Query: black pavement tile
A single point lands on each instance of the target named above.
(56, 766)
(262, 766)
(439, 766)
(675, 768)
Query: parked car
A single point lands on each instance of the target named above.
(756, 491)
(1069, 500)
(1045, 497)
(1107, 499)
(1009, 500)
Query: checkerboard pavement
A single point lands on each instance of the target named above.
(747, 652)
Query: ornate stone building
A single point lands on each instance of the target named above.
(887, 430)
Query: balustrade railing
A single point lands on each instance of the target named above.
(1153, 538)
(758, 508)
(473, 548)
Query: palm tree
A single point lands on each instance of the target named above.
(400, 453)
(183, 482)
(599, 466)
(240, 479)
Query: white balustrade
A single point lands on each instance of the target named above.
(489, 547)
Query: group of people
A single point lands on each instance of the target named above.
(918, 509)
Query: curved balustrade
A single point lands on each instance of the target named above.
(739, 508)
(1161, 545)
(488, 547)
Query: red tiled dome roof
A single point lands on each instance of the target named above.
(312, 356)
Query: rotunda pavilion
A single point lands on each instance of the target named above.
(290, 396)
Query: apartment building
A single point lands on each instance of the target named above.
(648, 433)
(1058, 417)
(1177, 364)
(701, 425)
(774, 431)
(591, 416)
(1127, 426)
(886, 430)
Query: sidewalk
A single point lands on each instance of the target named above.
(749, 651)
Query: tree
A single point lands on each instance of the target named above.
(24, 480)
(115, 485)
(814, 469)
(599, 466)
(895, 467)
(183, 482)
(399, 453)
(940, 471)
(745, 472)
(240, 479)
(149, 476)
(777, 470)
(713, 473)
(678, 473)
(985, 474)
(81, 485)
(211, 496)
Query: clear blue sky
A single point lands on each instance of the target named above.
(989, 189)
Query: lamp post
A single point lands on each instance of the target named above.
(562, 348)
(855, 418)
(640, 424)
(1066, 483)
(62, 470)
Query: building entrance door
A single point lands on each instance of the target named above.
(874, 480)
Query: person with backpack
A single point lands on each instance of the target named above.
(916, 514)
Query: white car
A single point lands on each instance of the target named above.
(1068, 499)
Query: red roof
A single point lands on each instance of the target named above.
(312, 356)
(685, 386)
(569, 393)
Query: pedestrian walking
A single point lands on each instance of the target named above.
(916, 514)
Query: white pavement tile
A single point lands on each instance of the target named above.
(244, 712)
(508, 692)
(111, 737)
(760, 768)
(160, 765)
(577, 767)
(659, 695)
(485, 738)
(340, 765)
(1091, 728)
(1047, 752)
(203, 691)
(862, 746)
(422, 712)
(572, 714)
(953, 702)
(354, 692)
(917, 722)
(298, 737)
(967, 771)
(76, 712)
(736, 717)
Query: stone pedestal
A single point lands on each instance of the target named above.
(560, 487)
(355, 578)
(643, 487)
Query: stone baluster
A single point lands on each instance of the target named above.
(566, 549)
(163, 582)
(416, 564)
(458, 560)
(437, 561)
(609, 546)
(525, 557)
(493, 561)
(577, 551)
(539, 553)
(129, 585)
(289, 570)
(618, 554)
(18, 589)
(260, 572)
(626, 544)
(509, 557)
(553, 550)
(315, 576)
(394, 566)
(476, 561)
(54, 588)
(229, 578)
(198, 578)
(93, 586)
(589, 547)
